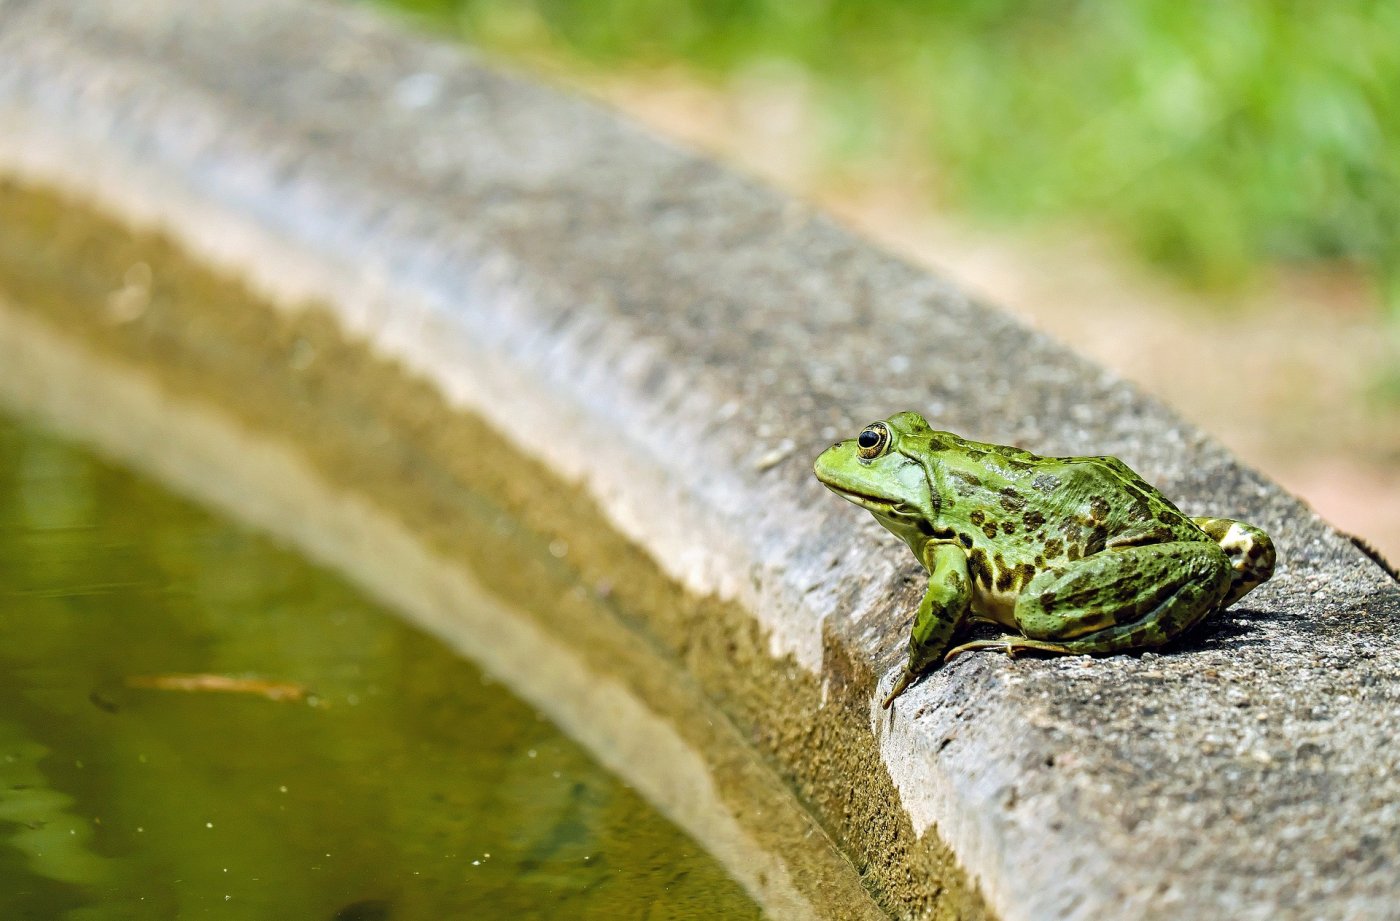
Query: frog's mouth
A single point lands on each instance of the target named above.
(876, 504)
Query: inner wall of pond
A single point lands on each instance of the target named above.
(397, 782)
(272, 416)
(404, 784)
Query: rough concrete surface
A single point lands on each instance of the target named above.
(682, 342)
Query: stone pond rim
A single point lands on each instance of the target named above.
(674, 327)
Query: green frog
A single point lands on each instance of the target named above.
(1078, 555)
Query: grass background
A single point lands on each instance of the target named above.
(1214, 139)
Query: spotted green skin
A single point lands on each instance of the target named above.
(1076, 554)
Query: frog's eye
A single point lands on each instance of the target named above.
(873, 440)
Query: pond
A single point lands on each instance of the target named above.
(195, 721)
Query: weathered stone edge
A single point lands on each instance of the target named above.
(643, 427)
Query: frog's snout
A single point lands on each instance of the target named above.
(827, 461)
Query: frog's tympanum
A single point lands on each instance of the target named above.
(1076, 554)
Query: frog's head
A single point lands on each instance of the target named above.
(882, 470)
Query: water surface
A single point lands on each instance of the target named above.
(405, 784)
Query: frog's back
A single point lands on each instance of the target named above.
(1111, 506)
(1058, 508)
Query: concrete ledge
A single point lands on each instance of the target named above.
(680, 343)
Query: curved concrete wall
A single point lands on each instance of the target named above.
(680, 342)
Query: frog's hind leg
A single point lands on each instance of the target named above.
(1250, 550)
(1116, 600)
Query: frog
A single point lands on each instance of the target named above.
(1071, 555)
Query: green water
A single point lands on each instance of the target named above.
(409, 786)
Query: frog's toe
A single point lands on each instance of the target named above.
(905, 679)
(1005, 643)
(1011, 645)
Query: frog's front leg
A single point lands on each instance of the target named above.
(942, 610)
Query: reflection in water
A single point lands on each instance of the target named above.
(407, 785)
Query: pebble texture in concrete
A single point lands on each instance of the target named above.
(683, 341)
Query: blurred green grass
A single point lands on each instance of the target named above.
(1214, 138)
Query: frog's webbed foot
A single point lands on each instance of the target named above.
(1011, 645)
(906, 678)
